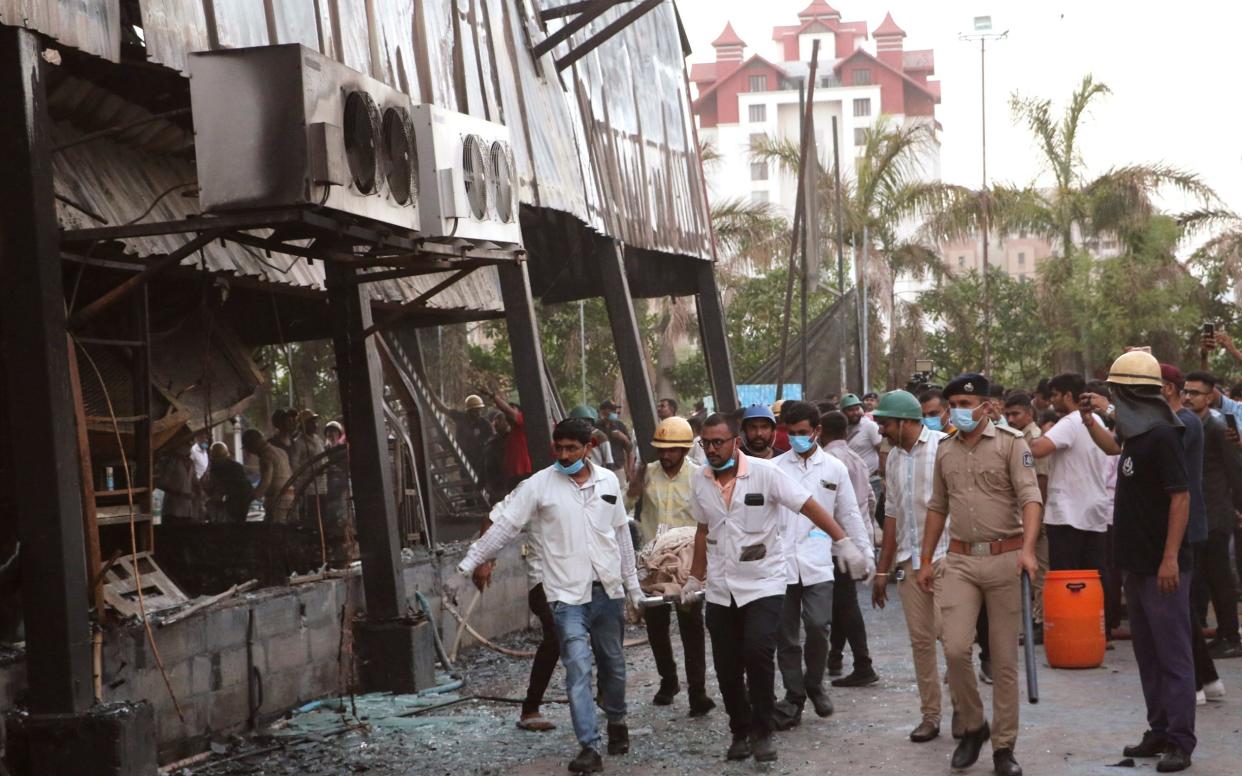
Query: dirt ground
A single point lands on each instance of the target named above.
(1083, 719)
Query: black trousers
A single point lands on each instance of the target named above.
(847, 623)
(1217, 585)
(1070, 548)
(690, 624)
(744, 653)
(546, 655)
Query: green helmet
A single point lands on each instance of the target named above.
(583, 411)
(899, 405)
(850, 400)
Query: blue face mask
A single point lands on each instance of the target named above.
(934, 423)
(1003, 421)
(964, 419)
(802, 444)
(613, 416)
(571, 469)
(724, 467)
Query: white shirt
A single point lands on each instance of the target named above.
(201, 461)
(1077, 492)
(578, 532)
(696, 454)
(807, 547)
(864, 439)
(752, 521)
(909, 478)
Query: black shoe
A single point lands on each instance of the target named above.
(821, 702)
(1153, 745)
(926, 731)
(739, 749)
(618, 738)
(664, 696)
(700, 704)
(1224, 649)
(1004, 764)
(587, 761)
(967, 751)
(985, 671)
(857, 678)
(835, 668)
(764, 749)
(786, 715)
(1175, 759)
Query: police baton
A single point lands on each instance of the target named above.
(1032, 681)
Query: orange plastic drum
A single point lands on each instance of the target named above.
(1074, 619)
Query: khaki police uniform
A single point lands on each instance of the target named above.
(984, 486)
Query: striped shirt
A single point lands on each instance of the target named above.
(909, 487)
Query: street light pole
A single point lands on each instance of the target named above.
(983, 33)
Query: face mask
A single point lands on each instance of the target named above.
(934, 423)
(571, 469)
(724, 467)
(1003, 421)
(613, 416)
(964, 419)
(801, 444)
(203, 445)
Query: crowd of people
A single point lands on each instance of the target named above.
(950, 495)
(205, 483)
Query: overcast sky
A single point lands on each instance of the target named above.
(1172, 68)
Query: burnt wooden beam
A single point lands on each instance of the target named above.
(523, 330)
(602, 37)
(569, 9)
(627, 339)
(593, 11)
(129, 285)
(417, 303)
(56, 598)
(361, 382)
(714, 338)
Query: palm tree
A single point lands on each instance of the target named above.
(878, 200)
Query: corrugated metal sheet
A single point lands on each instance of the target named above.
(93, 26)
(119, 183)
(607, 142)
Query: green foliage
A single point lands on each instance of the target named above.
(753, 318)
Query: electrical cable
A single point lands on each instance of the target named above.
(133, 532)
(157, 200)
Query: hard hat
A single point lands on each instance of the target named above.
(583, 411)
(758, 412)
(1136, 368)
(850, 400)
(332, 425)
(306, 415)
(776, 406)
(673, 432)
(474, 402)
(899, 405)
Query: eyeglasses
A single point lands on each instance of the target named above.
(1189, 392)
(712, 444)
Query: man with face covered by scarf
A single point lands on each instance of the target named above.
(1151, 512)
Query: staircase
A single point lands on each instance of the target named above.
(456, 488)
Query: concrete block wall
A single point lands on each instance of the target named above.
(293, 655)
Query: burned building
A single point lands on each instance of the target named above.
(188, 180)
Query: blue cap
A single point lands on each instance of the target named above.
(970, 384)
(757, 412)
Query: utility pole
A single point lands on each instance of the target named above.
(983, 33)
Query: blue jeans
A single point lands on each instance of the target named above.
(601, 621)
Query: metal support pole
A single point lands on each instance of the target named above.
(527, 361)
(983, 196)
(361, 382)
(56, 597)
(628, 342)
(864, 373)
(713, 338)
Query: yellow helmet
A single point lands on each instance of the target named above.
(474, 402)
(1136, 368)
(673, 432)
(776, 407)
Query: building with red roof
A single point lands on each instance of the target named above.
(862, 74)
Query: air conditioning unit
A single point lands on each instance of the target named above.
(280, 126)
(469, 181)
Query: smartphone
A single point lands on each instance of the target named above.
(1084, 403)
(1209, 330)
(1232, 422)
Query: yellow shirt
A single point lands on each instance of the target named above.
(666, 500)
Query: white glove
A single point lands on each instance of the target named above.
(455, 585)
(636, 598)
(855, 562)
(693, 586)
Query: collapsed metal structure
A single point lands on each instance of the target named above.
(102, 235)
